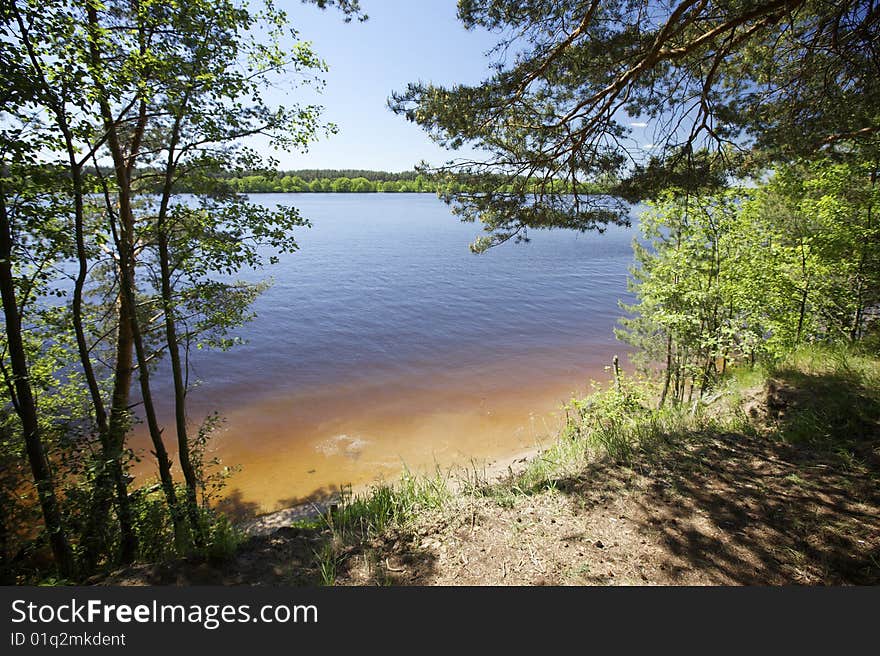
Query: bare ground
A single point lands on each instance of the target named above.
(729, 510)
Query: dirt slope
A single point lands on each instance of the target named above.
(727, 510)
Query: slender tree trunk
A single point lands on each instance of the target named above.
(27, 407)
(125, 249)
(668, 375)
(802, 311)
(707, 372)
(681, 376)
(171, 340)
(855, 330)
(186, 466)
(712, 323)
(6, 575)
(801, 314)
(676, 388)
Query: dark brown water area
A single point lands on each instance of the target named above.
(385, 345)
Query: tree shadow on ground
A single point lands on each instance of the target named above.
(312, 542)
(322, 537)
(752, 508)
(234, 506)
(394, 558)
(319, 499)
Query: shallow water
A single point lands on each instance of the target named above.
(384, 344)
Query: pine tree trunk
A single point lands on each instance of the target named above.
(668, 376)
(110, 478)
(123, 164)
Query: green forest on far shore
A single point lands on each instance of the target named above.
(363, 182)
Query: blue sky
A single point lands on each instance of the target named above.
(403, 41)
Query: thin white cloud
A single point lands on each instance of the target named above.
(649, 146)
(639, 125)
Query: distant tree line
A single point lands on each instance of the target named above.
(359, 182)
(331, 181)
(373, 176)
(336, 181)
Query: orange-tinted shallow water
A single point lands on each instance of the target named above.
(384, 345)
(297, 448)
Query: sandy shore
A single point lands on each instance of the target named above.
(490, 471)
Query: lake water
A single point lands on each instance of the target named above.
(385, 344)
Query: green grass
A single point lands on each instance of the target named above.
(829, 400)
(838, 388)
(616, 425)
(359, 518)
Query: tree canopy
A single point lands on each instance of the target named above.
(723, 85)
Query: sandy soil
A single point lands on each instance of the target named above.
(725, 511)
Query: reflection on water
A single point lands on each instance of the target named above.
(384, 343)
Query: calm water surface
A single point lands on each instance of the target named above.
(384, 343)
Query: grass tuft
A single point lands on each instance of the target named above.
(359, 519)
